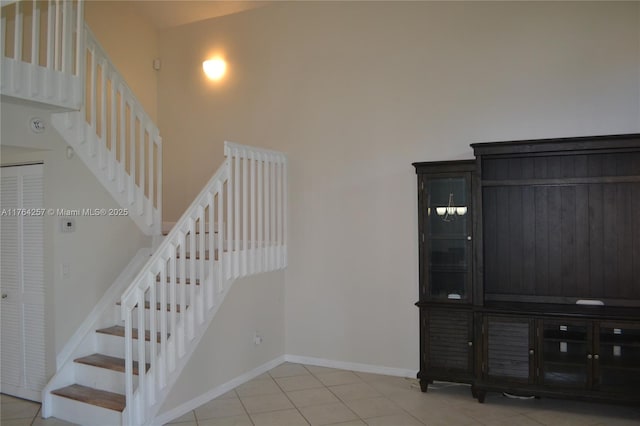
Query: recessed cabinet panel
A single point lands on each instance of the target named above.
(448, 340)
(619, 358)
(508, 348)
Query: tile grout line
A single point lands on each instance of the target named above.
(287, 396)
(243, 407)
(337, 397)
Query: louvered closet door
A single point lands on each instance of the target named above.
(22, 282)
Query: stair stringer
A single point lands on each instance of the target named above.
(86, 144)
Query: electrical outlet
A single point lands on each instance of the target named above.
(257, 339)
(65, 271)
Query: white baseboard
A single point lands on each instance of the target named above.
(353, 366)
(184, 408)
(243, 378)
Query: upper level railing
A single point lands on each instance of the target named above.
(117, 139)
(243, 210)
(41, 51)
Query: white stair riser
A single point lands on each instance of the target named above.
(101, 378)
(114, 346)
(147, 316)
(85, 414)
(187, 290)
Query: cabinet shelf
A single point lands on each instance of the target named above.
(449, 268)
(565, 339)
(445, 236)
(564, 336)
(562, 358)
(631, 342)
(619, 368)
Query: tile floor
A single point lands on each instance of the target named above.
(295, 394)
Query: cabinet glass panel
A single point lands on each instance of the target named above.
(447, 207)
(565, 347)
(619, 358)
(448, 213)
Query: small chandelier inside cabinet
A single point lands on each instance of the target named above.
(450, 211)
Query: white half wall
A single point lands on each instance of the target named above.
(227, 351)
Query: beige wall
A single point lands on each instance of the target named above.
(254, 304)
(131, 43)
(355, 92)
(100, 247)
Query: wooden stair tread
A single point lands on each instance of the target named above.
(206, 255)
(108, 362)
(186, 281)
(118, 330)
(104, 399)
(147, 305)
(165, 233)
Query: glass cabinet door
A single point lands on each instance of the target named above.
(566, 353)
(618, 358)
(448, 239)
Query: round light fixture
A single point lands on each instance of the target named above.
(214, 68)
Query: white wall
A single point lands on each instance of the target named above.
(254, 304)
(355, 92)
(131, 43)
(99, 248)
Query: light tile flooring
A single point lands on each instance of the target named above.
(295, 394)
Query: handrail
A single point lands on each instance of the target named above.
(246, 199)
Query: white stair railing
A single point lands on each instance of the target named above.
(247, 200)
(40, 51)
(116, 139)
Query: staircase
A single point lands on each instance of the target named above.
(236, 227)
(120, 365)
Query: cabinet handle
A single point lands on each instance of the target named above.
(589, 356)
(470, 343)
(5, 295)
(596, 356)
(530, 351)
(468, 237)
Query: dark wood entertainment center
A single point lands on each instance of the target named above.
(530, 269)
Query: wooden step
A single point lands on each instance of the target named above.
(206, 255)
(118, 330)
(108, 362)
(100, 398)
(187, 281)
(165, 233)
(147, 305)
